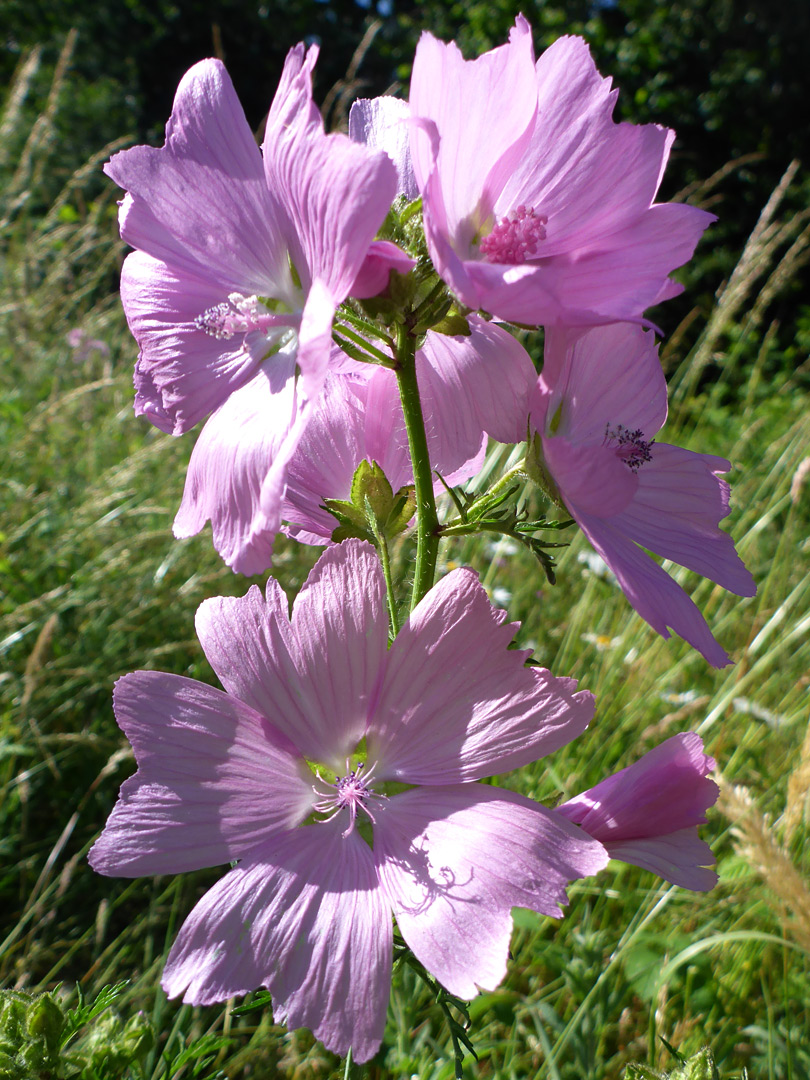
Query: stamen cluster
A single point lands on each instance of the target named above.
(515, 237)
(351, 792)
(630, 446)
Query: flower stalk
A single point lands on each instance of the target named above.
(427, 520)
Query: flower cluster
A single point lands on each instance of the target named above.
(342, 310)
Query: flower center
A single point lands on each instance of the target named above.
(629, 446)
(351, 792)
(241, 314)
(515, 237)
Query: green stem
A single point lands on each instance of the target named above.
(385, 559)
(507, 479)
(389, 586)
(427, 520)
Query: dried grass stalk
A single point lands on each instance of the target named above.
(756, 842)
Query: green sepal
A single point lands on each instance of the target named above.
(45, 1019)
(374, 508)
(699, 1066)
(452, 325)
(402, 510)
(537, 470)
(371, 491)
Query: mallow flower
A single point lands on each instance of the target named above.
(339, 776)
(601, 400)
(242, 256)
(538, 207)
(648, 813)
(471, 386)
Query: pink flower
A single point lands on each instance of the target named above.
(325, 857)
(470, 385)
(648, 813)
(602, 399)
(242, 256)
(481, 383)
(537, 206)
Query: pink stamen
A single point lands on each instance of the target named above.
(515, 238)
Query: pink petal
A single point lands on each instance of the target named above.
(454, 861)
(305, 916)
(587, 174)
(602, 378)
(458, 704)
(182, 373)
(328, 454)
(200, 203)
(382, 257)
(474, 159)
(336, 192)
(617, 280)
(675, 513)
(488, 379)
(214, 779)
(316, 677)
(360, 417)
(592, 479)
(607, 251)
(665, 790)
(680, 857)
(648, 813)
(383, 124)
(230, 462)
(313, 356)
(656, 597)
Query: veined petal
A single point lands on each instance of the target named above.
(200, 202)
(665, 790)
(558, 228)
(458, 704)
(680, 857)
(499, 90)
(487, 377)
(383, 123)
(229, 464)
(675, 513)
(587, 174)
(182, 373)
(620, 278)
(305, 916)
(340, 622)
(315, 678)
(313, 357)
(455, 860)
(592, 479)
(656, 597)
(214, 779)
(602, 378)
(648, 813)
(327, 455)
(336, 192)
